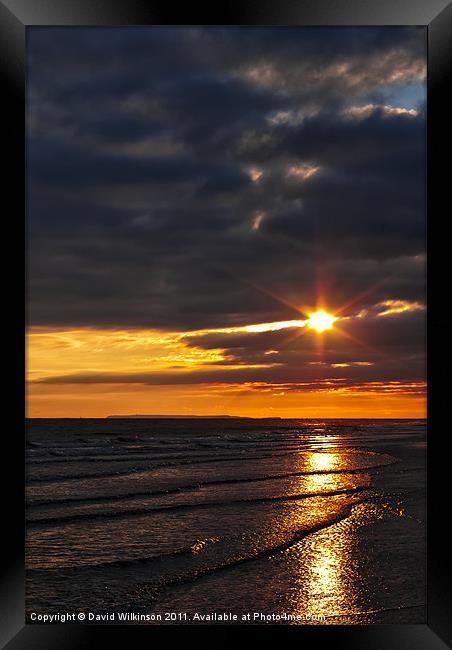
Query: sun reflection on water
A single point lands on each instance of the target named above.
(318, 483)
(319, 461)
(323, 586)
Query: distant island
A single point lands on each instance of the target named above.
(184, 417)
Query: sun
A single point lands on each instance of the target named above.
(321, 320)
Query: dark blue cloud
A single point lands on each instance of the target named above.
(142, 143)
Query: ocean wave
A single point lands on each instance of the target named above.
(203, 557)
(198, 484)
(55, 521)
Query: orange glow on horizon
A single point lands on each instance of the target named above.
(101, 400)
(53, 354)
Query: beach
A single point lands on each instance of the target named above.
(186, 521)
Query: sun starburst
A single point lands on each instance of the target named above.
(321, 320)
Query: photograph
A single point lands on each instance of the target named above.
(226, 325)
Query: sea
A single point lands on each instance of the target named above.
(211, 521)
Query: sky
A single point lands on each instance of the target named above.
(194, 194)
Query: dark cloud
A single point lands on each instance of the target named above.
(65, 167)
(397, 341)
(141, 148)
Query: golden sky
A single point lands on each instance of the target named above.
(93, 372)
(186, 217)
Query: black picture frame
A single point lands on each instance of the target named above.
(15, 17)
